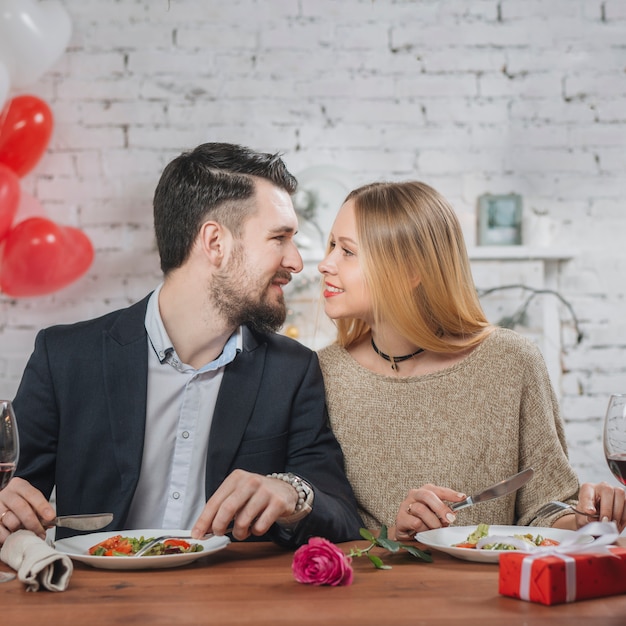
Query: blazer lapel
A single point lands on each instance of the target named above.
(235, 403)
(125, 365)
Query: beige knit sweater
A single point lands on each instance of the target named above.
(468, 426)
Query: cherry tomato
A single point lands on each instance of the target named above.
(107, 544)
(549, 542)
(177, 542)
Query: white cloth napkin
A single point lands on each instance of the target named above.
(37, 564)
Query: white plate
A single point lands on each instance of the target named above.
(443, 539)
(78, 549)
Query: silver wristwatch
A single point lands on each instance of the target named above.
(305, 497)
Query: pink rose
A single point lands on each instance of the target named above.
(321, 562)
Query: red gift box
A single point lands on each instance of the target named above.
(559, 578)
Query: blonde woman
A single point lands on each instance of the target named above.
(428, 400)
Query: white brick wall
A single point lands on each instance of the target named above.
(479, 96)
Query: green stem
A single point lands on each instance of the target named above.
(359, 551)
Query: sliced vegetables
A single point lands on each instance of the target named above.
(480, 539)
(119, 545)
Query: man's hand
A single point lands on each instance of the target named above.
(252, 501)
(23, 506)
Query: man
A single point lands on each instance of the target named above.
(175, 412)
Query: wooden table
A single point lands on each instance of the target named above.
(253, 584)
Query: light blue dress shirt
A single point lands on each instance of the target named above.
(179, 411)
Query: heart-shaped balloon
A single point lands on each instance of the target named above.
(33, 35)
(25, 130)
(9, 198)
(41, 257)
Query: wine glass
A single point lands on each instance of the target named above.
(615, 436)
(9, 452)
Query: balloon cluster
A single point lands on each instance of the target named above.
(37, 255)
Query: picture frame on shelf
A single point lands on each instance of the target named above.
(499, 220)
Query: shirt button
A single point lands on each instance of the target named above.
(176, 495)
(185, 435)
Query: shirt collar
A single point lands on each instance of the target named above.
(162, 344)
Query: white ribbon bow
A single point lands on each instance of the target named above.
(603, 534)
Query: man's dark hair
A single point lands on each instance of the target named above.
(213, 181)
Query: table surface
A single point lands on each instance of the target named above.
(252, 583)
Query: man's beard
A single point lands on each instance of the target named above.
(233, 293)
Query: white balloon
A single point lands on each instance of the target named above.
(5, 84)
(33, 35)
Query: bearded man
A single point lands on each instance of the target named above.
(186, 410)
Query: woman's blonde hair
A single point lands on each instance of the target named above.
(415, 264)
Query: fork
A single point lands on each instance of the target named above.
(152, 543)
(555, 506)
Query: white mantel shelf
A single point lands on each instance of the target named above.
(551, 259)
(518, 253)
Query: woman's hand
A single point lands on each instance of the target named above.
(601, 502)
(424, 509)
(608, 503)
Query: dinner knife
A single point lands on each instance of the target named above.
(91, 521)
(503, 488)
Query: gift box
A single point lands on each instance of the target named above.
(560, 577)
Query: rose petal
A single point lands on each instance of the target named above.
(321, 562)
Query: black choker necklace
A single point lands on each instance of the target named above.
(395, 359)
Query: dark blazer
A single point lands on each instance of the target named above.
(81, 408)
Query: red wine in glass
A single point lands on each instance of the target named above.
(9, 444)
(9, 452)
(615, 436)
(617, 464)
(6, 473)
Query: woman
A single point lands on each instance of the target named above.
(423, 390)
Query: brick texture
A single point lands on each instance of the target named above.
(488, 96)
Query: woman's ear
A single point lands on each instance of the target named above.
(415, 281)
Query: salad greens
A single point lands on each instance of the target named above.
(481, 540)
(128, 546)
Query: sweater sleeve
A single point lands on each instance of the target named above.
(542, 446)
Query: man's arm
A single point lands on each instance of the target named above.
(249, 502)
(285, 431)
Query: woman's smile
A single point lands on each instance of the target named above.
(331, 290)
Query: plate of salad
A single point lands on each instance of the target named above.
(485, 543)
(114, 550)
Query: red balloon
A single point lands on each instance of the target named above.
(41, 257)
(25, 130)
(9, 198)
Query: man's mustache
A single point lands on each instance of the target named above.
(282, 275)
